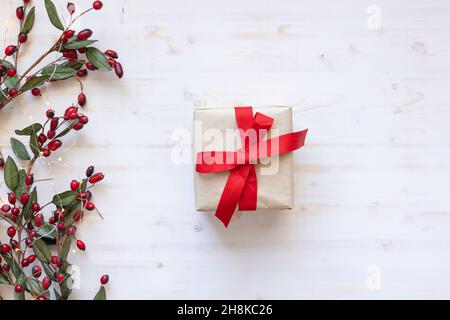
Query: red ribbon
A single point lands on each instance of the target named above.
(242, 185)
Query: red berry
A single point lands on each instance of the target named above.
(118, 69)
(82, 73)
(111, 53)
(84, 34)
(78, 126)
(29, 179)
(6, 267)
(70, 8)
(36, 92)
(70, 112)
(74, 185)
(77, 216)
(31, 258)
(61, 226)
(82, 99)
(35, 207)
(82, 196)
(90, 171)
(12, 92)
(96, 178)
(54, 145)
(54, 124)
(36, 271)
(50, 113)
(25, 263)
(6, 249)
(11, 72)
(15, 211)
(104, 279)
(81, 245)
(46, 153)
(71, 231)
(11, 232)
(32, 234)
(38, 220)
(20, 13)
(24, 198)
(6, 208)
(18, 288)
(12, 198)
(97, 5)
(51, 134)
(23, 37)
(10, 50)
(55, 260)
(69, 34)
(46, 283)
(70, 54)
(90, 66)
(83, 119)
(42, 138)
(28, 242)
(89, 206)
(60, 278)
(111, 62)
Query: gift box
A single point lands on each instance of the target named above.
(231, 175)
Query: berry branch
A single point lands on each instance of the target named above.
(34, 262)
(70, 44)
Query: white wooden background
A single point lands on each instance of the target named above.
(372, 187)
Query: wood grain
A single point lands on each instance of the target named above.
(371, 187)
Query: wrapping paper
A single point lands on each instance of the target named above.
(275, 190)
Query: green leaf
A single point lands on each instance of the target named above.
(15, 268)
(12, 82)
(34, 286)
(65, 287)
(97, 58)
(34, 144)
(47, 231)
(3, 95)
(101, 294)
(66, 248)
(64, 199)
(57, 294)
(21, 188)
(29, 130)
(11, 174)
(42, 251)
(29, 21)
(78, 44)
(48, 272)
(27, 213)
(34, 82)
(4, 279)
(58, 72)
(74, 65)
(19, 149)
(7, 64)
(53, 15)
(19, 296)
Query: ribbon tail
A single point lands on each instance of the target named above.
(232, 193)
(248, 200)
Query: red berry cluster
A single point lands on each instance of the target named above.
(72, 120)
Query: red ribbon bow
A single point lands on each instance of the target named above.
(242, 186)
